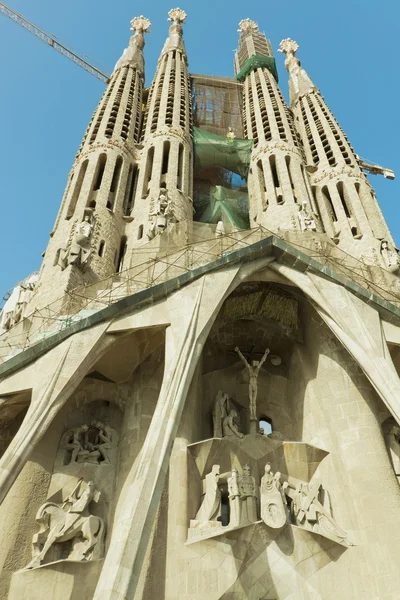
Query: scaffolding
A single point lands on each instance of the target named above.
(157, 263)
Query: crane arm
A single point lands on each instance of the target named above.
(51, 41)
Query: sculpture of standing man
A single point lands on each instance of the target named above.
(253, 371)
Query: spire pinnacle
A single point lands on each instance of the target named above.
(174, 40)
(133, 55)
(299, 81)
(247, 26)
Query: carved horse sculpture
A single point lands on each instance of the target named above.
(58, 525)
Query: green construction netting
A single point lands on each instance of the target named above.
(223, 204)
(210, 150)
(258, 61)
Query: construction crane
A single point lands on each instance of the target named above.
(52, 41)
(375, 169)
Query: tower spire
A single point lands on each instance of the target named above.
(174, 40)
(347, 204)
(279, 190)
(133, 54)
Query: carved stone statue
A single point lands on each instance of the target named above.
(311, 509)
(78, 251)
(162, 215)
(70, 522)
(248, 495)
(234, 499)
(220, 411)
(229, 426)
(273, 509)
(307, 221)
(390, 256)
(90, 444)
(230, 135)
(210, 508)
(253, 371)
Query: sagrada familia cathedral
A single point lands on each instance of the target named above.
(199, 391)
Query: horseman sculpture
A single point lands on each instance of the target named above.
(71, 522)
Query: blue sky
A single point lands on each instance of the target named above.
(348, 47)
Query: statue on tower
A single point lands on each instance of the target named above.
(253, 371)
(78, 250)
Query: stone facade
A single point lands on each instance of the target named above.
(215, 413)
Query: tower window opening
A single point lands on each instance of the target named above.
(140, 232)
(261, 178)
(225, 508)
(101, 248)
(166, 149)
(148, 172)
(340, 189)
(121, 254)
(287, 161)
(77, 189)
(265, 424)
(101, 165)
(130, 190)
(328, 199)
(180, 167)
(116, 174)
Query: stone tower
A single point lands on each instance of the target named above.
(278, 183)
(216, 412)
(165, 169)
(346, 201)
(88, 241)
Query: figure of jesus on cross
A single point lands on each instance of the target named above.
(253, 371)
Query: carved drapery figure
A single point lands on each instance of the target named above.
(311, 509)
(220, 411)
(234, 498)
(70, 522)
(92, 443)
(78, 250)
(307, 221)
(162, 215)
(248, 494)
(273, 505)
(210, 508)
(230, 427)
(253, 371)
(390, 256)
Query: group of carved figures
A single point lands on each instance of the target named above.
(276, 502)
(162, 215)
(89, 443)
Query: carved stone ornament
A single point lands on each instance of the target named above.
(273, 509)
(140, 24)
(247, 26)
(69, 524)
(288, 46)
(177, 15)
(78, 250)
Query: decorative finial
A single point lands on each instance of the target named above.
(177, 15)
(288, 47)
(140, 24)
(247, 25)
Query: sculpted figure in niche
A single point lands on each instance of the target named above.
(220, 411)
(273, 505)
(210, 508)
(253, 371)
(162, 215)
(89, 444)
(390, 256)
(248, 495)
(229, 426)
(311, 509)
(78, 250)
(69, 523)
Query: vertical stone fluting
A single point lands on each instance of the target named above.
(349, 211)
(100, 184)
(167, 153)
(278, 184)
